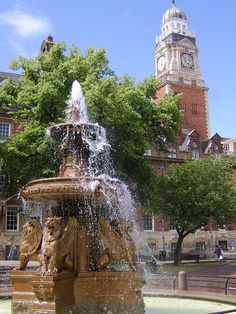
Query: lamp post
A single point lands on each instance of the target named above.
(162, 234)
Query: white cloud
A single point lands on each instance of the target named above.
(24, 24)
(18, 47)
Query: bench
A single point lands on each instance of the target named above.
(230, 288)
(190, 257)
(229, 256)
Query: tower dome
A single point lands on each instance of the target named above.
(173, 12)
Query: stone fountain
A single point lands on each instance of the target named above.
(84, 235)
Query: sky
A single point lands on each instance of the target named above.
(127, 30)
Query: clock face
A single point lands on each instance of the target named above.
(161, 63)
(187, 60)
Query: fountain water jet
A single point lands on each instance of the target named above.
(86, 229)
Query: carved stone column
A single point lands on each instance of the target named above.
(83, 247)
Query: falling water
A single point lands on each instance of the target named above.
(77, 109)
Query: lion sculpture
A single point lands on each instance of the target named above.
(117, 242)
(50, 247)
(57, 249)
(31, 246)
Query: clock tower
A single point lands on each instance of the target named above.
(177, 69)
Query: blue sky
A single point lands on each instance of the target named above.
(127, 30)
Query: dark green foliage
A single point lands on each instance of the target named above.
(195, 193)
(121, 105)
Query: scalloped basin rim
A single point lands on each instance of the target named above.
(62, 126)
(62, 188)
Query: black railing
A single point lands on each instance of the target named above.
(211, 283)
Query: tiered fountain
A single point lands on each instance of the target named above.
(84, 235)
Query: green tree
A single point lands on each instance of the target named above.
(193, 194)
(123, 106)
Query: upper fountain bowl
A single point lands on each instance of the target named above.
(82, 189)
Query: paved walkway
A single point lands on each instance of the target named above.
(225, 269)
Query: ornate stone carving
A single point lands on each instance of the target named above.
(31, 245)
(117, 242)
(57, 253)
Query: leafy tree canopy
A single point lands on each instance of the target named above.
(196, 192)
(123, 106)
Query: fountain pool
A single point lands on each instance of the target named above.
(163, 305)
(171, 305)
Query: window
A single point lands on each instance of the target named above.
(12, 219)
(183, 105)
(148, 152)
(12, 252)
(172, 152)
(173, 246)
(148, 223)
(2, 178)
(226, 147)
(172, 224)
(195, 154)
(4, 130)
(161, 169)
(152, 246)
(215, 150)
(200, 246)
(232, 244)
(36, 214)
(194, 107)
(178, 25)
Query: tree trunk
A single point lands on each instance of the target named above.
(178, 249)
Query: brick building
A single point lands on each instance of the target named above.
(177, 69)
(9, 208)
(10, 219)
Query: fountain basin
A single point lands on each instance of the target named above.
(70, 188)
(176, 305)
(79, 130)
(163, 305)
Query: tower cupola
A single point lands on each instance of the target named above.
(174, 21)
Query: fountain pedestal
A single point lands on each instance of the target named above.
(101, 292)
(91, 292)
(35, 293)
(23, 295)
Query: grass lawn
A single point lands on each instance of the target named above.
(170, 268)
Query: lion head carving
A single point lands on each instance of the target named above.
(32, 232)
(53, 228)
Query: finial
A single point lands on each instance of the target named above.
(173, 2)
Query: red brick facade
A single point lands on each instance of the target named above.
(193, 106)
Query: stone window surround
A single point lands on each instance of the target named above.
(11, 225)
